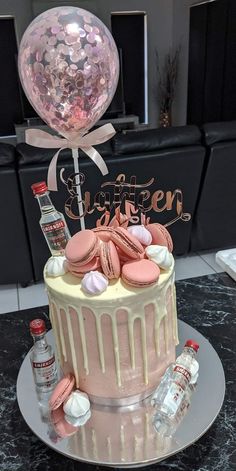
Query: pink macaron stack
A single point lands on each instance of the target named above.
(82, 253)
(116, 251)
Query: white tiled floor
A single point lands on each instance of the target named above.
(13, 297)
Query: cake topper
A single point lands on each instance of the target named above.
(130, 199)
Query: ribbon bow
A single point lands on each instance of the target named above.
(39, 138)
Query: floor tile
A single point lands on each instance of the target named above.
(32, 296)
(210, 259)
(8, 298)
(190, 267)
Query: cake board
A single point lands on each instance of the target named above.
(124, 436)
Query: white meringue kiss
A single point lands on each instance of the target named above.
(78, 421)
(160, 255)
(77, 404)
(94, 282)
(141, 233)
(56, 266)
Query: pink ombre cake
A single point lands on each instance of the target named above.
(116, 343)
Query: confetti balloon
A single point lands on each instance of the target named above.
(68, 65)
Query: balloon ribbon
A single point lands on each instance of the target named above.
(39, 138)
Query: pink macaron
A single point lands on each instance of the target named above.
(62, 390)
(61, 426)
(103, 233)
(140, 273)
(80, 270)
(160, 235)
(82, 247)
(124, 258)
(127, 243)
(110, 261)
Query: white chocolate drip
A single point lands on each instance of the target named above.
(84, 442)
(108, 441)
(136, 447)
(73, 353)
(116, 349)
(131, 341)
(61, 336)
(166, 333)
(144, 349)
(94, 442)
(52, 320)
(100, 343)
(83, 340)
(122, 443)
(174, 314)
(159, 299)
(146, 434)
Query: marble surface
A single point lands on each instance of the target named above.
(207, 303)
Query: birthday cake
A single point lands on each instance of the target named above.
(113, 310)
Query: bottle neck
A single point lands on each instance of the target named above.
(45, 203)
(190, 351)
(40, 342)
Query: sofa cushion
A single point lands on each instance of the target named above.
(154, 139)
(219, 132)
(7, 155)
(29, 155)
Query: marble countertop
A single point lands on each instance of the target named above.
(207, 303)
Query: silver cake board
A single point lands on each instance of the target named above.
(125, 437)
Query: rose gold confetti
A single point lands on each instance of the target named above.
(61, 36)
(82, 33)
(91, 37)
(52, 41)
(69, 65)
(88, 28)
(70, 40)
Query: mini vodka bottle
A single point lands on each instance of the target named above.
(173, 395)
(52, 222)
(42, 358)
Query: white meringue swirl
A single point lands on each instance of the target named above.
(78, 421)
(141, 233)
(56, 266)
(159, 255)
(77, 404)
(94, 282)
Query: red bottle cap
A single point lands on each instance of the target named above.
(39, 188)
(191, 343)
(37, 327)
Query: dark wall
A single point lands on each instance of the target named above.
(212, 62)
(10, 109)
(124, 27)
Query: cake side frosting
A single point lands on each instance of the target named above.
(118, 343)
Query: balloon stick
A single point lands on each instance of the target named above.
(75, 155)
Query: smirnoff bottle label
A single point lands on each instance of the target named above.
(52, 222)
(42, 358)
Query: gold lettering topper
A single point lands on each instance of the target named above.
(130, 198)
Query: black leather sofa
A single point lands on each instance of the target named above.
(172, 157)
(214, 222)
(16, 265)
